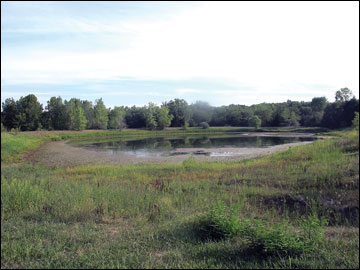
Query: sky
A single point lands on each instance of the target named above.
(132, 53)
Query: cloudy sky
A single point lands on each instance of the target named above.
(130, 53)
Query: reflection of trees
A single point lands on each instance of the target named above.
(258, 141)
(167, 144)
(187, 141)
(164, 145)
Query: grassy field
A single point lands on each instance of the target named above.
(294, 209)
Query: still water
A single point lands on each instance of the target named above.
(184, 145)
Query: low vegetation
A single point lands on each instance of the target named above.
(294, 209)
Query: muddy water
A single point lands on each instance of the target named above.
(201, 145)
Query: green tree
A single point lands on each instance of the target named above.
(10, 114)
(89, 113)
(57, 113)
(45, 120)
(30, 112)
(294, 119)
(150, 116)
(238, 115)
(135, 117)
(181, 111)
(117, 118)
(265, 112)
(75, 114)
(255, 121)
(344, 94)
(100, 115)
(219, 116)
(318, 104)
(163, 117)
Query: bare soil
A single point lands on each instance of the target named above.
(61, 154)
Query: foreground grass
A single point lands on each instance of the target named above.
(148, 216)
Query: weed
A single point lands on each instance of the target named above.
(219, 223)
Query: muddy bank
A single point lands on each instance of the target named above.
(58, 153)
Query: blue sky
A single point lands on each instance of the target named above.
(132, 53)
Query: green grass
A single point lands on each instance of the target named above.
(150, 215)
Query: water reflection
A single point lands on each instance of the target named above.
(165, 146)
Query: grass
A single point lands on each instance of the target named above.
(150, 215)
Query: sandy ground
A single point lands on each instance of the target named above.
(58, 153)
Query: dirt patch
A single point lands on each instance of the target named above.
(58, 153)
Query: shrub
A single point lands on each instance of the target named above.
(280, 239)
(259, 236)
(14, 131)
(218, 223)
(204, 125)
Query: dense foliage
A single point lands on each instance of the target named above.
(27, 114)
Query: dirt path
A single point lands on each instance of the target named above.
(58, 153)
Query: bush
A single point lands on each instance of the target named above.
(280, 239)
(218, 223)
(259, 236)
(14, 131)
(204, 125)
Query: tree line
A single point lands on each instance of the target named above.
(27, 114)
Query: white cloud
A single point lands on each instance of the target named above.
(272, 47)
(185, 91)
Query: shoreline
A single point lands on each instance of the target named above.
(60, 153)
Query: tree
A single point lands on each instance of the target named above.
(332, 115)
(89, 113)
(180, 109)
(349, 108)
(255, 121)
(163, 117)
(100, 115)
(57, 113)
(75, 114)
(150, 116)
(318, 104)
(265, 112)
(344, 94)
(117, 118)
(135, 117)
(30, 112)
(10, 114)
(45, 120)
(238, 115)
(219, 116)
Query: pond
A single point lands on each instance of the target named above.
(207, 145)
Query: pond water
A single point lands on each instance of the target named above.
(209, 145)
